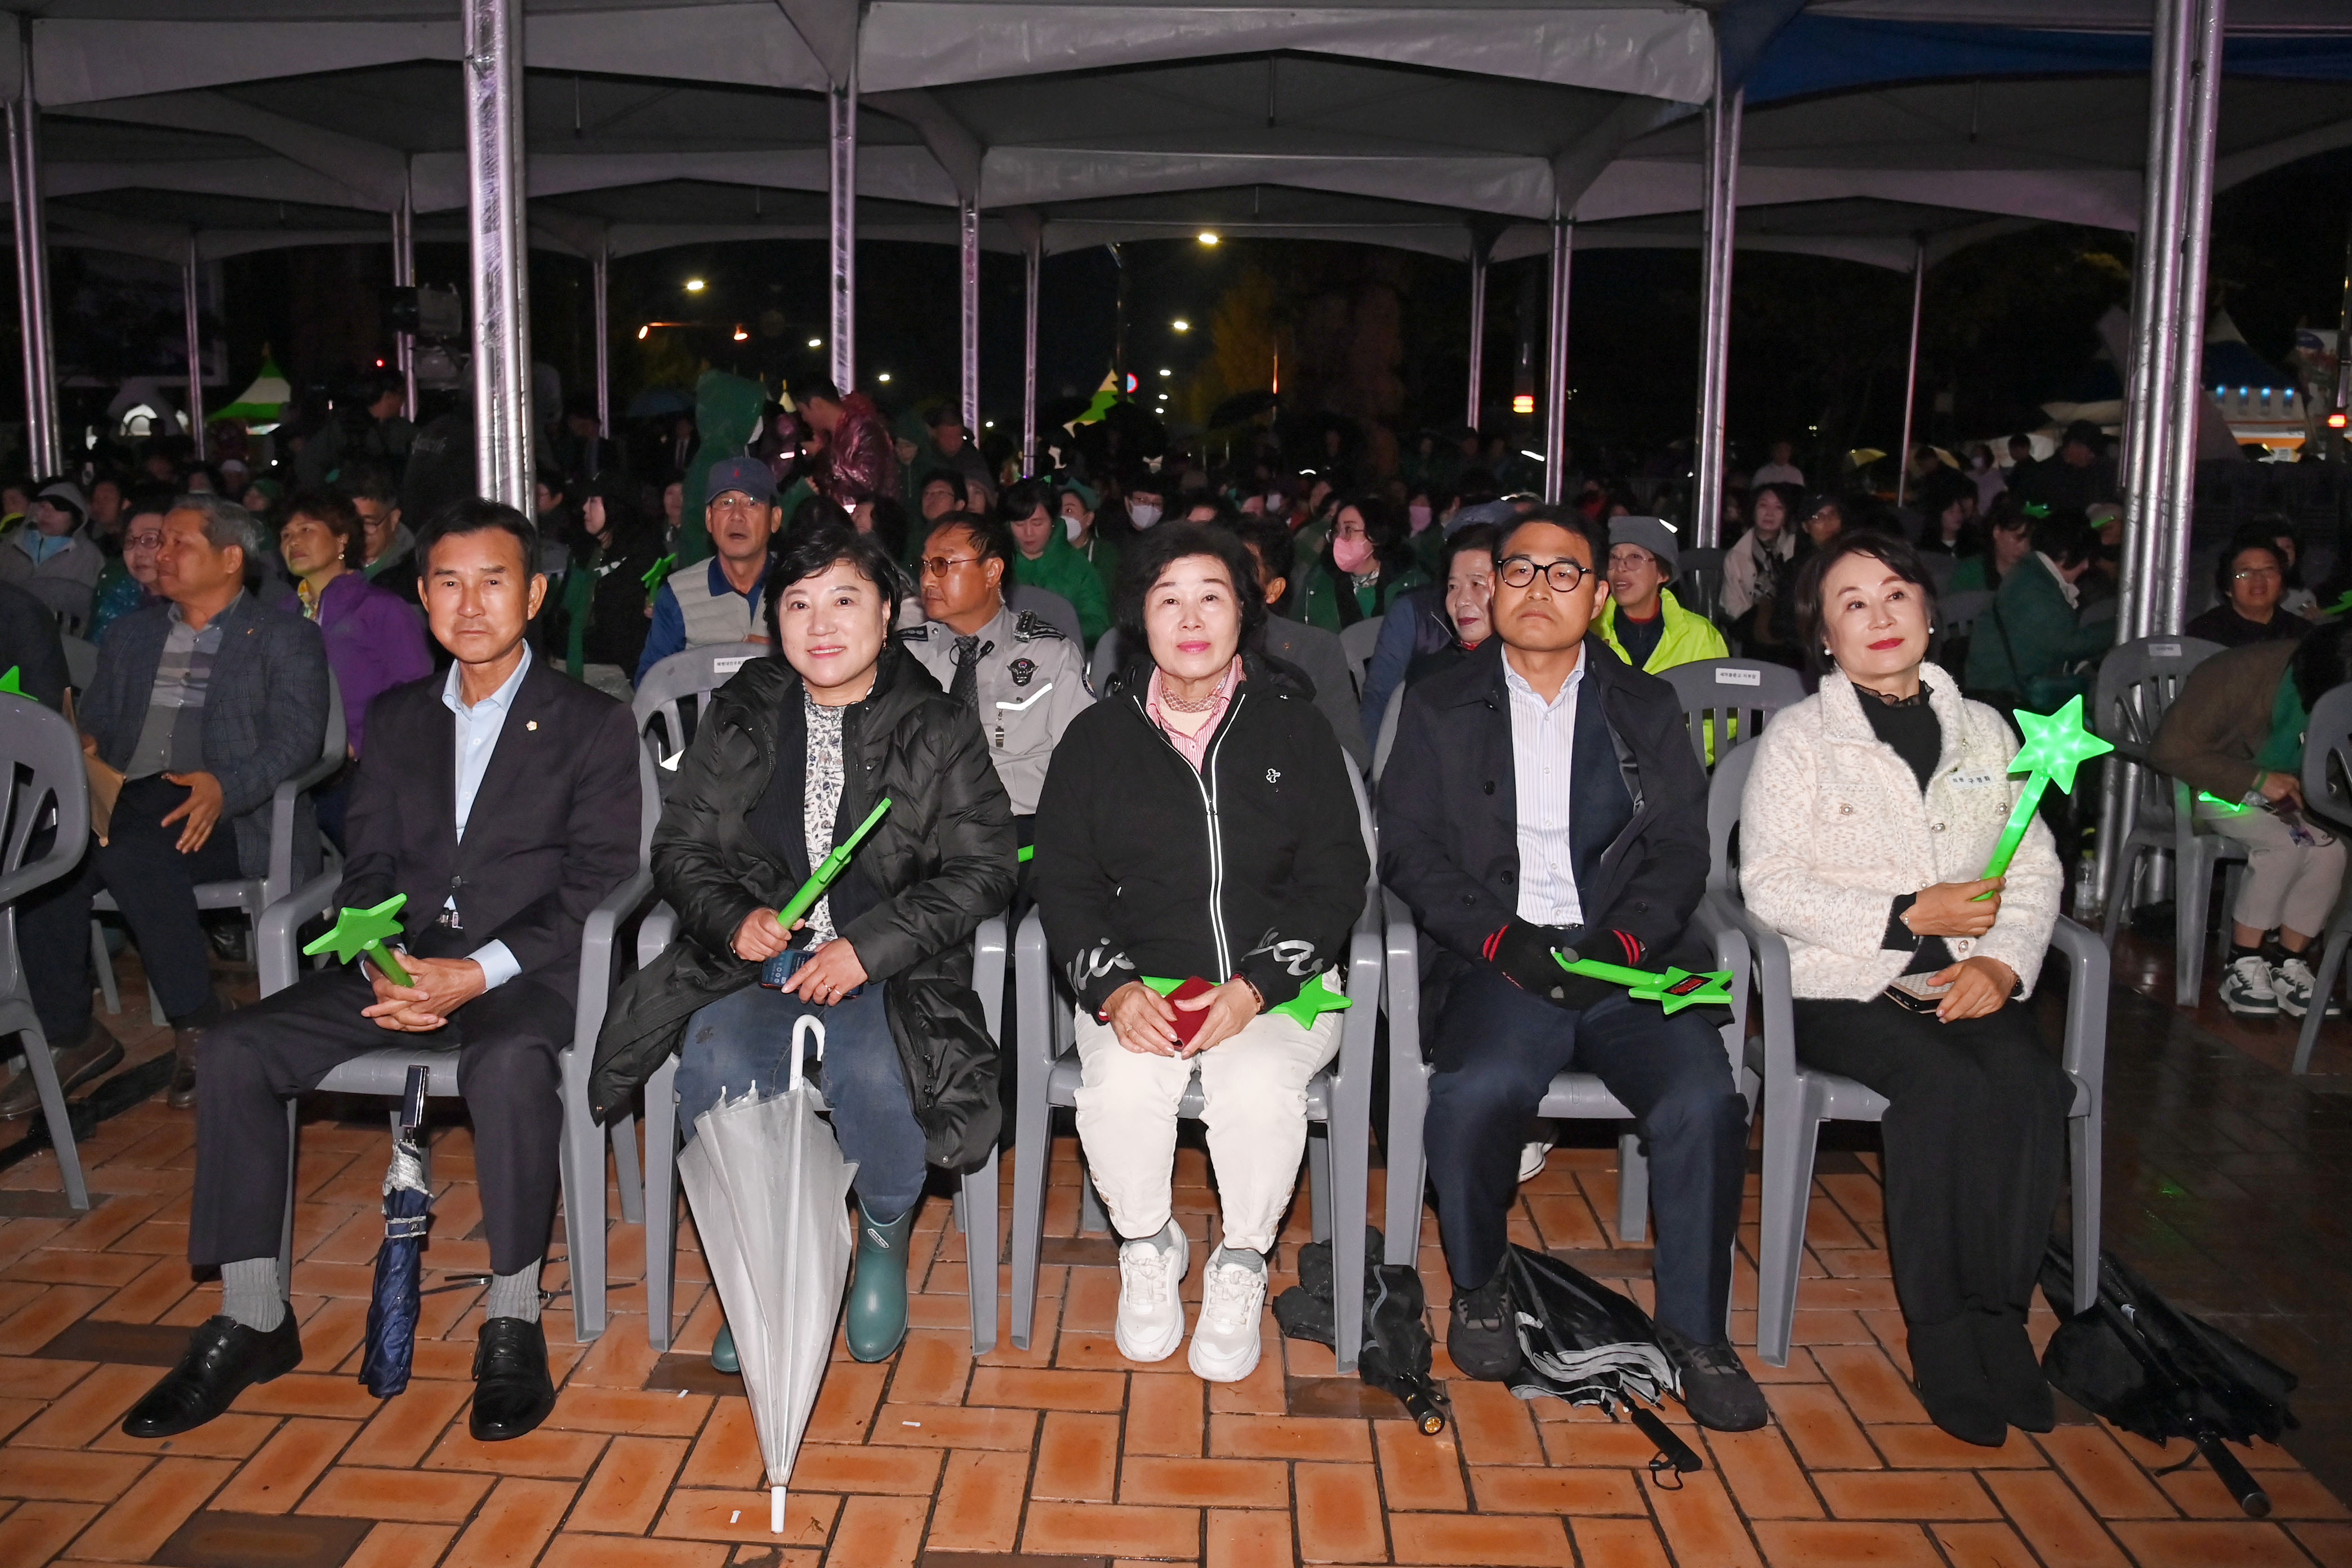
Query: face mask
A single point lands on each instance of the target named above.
(1420, 516)
(1074, 526)
(1142, 513)
(1351, 555)
(1276, 503)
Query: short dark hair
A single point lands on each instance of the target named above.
(813, 549)
(2067, 537)
(2245, 539)
(1481, 537)
(1019, 500)
(820, 391)
(1157, 549)
(340, 518)
(1892, 551)
(949, 478)
(368, 481)
(474, 515)
(1270, 536)
(1594, 534)
(942, 413)
(991, 535)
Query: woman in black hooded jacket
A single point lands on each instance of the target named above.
(848, 717)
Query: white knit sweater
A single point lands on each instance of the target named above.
(1834, 826)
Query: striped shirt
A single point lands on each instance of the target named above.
(1543, 753)
(173, 738)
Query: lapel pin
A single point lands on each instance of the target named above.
(533, 724)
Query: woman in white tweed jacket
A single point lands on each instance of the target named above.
(1870, 814)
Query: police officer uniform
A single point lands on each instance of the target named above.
(1027, 682)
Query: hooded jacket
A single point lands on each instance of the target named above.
(1254, 866)
(937, 865)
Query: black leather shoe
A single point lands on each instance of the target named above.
(182, 1092)
(2020, 1392)
(1482, 1332)
(1716, 1389)
(98, 1052)
(223, 1359)
(512, 1392)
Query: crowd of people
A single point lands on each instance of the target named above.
(1125, 695)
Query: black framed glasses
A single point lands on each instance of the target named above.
(1564, 577)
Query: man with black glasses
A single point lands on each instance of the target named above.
(1542, 796)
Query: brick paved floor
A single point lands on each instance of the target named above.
(1063, 1453)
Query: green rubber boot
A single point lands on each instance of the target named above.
(722, 1352)
(877, 1295)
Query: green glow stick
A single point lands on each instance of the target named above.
(1314, 999)
(358, 933)
(2340, 605)
(831, 868)
(656, 571)
(10, 684)
(1673, 990)
(2055, 745)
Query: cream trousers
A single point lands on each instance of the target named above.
(2287, 884)
(1253, 1103)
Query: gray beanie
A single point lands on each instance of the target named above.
(1652, 534)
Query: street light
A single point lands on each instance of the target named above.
(1164, 371)
(696, 285)
(741, 335)
(816, 342)
(883, 376)
(1208, 236)
(642, 333)
(1179, 326)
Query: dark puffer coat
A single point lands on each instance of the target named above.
(937, 865)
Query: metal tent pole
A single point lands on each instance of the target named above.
(1564, 247)
(2168, 582)
(1911, 370)
(42, 443)
(599, 290)
(403, 276)
(189, 309)
(841, 102)
(1033, 260)
(1477, 329)
(1722, 213)
(967, 339)
(494, 198)
(2148, 387)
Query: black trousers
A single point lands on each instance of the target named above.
(259, 1057)
(1671, 1072)
(154, 886)
(1975, 1137)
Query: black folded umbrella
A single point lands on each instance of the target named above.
(1397, 1351)
(1582, 1342)
(2161, 1372)
(391, 1347)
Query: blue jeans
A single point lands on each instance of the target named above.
(746, 1038)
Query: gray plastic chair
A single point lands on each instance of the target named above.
(1729, 699)
(2328, 796)
(2138, 682)
(250, 896)
(1798, 1099)
(684, 677)
(1698, 579)
(1048, 606)
(1387, 742)
(81, 661)
(976, 1199)
(1103, 663)
(1339, 1099)
(48, 788)
(1357, 643)
(385, 1072)
(1572, 1097)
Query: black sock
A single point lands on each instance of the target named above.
(2258, 950)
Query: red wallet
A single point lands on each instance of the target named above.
(1188, 1020)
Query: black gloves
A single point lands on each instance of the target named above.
(1523, 951)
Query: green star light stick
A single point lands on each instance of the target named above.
(1673, 990)
(2055, 745)
(1314, 999)
(11, 684)
(362, 933)
(2340, 605)
(831, 868)
(657, 573)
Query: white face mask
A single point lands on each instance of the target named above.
(1074, 527)
(1144, 513)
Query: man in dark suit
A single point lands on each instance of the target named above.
(502, 799)
(206, 703)
(1542, 796)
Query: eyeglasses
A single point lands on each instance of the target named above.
(144, 541)
(1518, 572)
(940, 565)
(2253, 574)
(734, 501)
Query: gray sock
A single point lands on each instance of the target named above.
(1252, 1261)
(251, 1294)
(515, 1294)
(1164, 1238)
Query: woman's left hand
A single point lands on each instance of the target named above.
(1979, 986)
(831, 973)
(1229, 1007)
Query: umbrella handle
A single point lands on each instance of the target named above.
(2232, 1475)
(775, 1511)
(807, 1024)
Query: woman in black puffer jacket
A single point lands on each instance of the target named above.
(844, 719)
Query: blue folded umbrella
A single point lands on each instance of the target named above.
(407, 1205)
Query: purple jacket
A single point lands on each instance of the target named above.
(375, 641)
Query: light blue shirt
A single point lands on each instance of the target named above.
(1543, 754)
(478, 727)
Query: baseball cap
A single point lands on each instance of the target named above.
(748, 475)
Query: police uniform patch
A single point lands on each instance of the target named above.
(1022, 670)
(1032, 625)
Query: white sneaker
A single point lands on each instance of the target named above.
(2294, 985)
(1150, 1303)
(1531, 1159)
(2246, 988)
(1232, 1294)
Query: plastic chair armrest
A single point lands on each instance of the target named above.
(2084, 1052)
(1772, 980)
(655, 932)
(274, 955)
(988, 956)
(596, 955)
(1033, 965)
